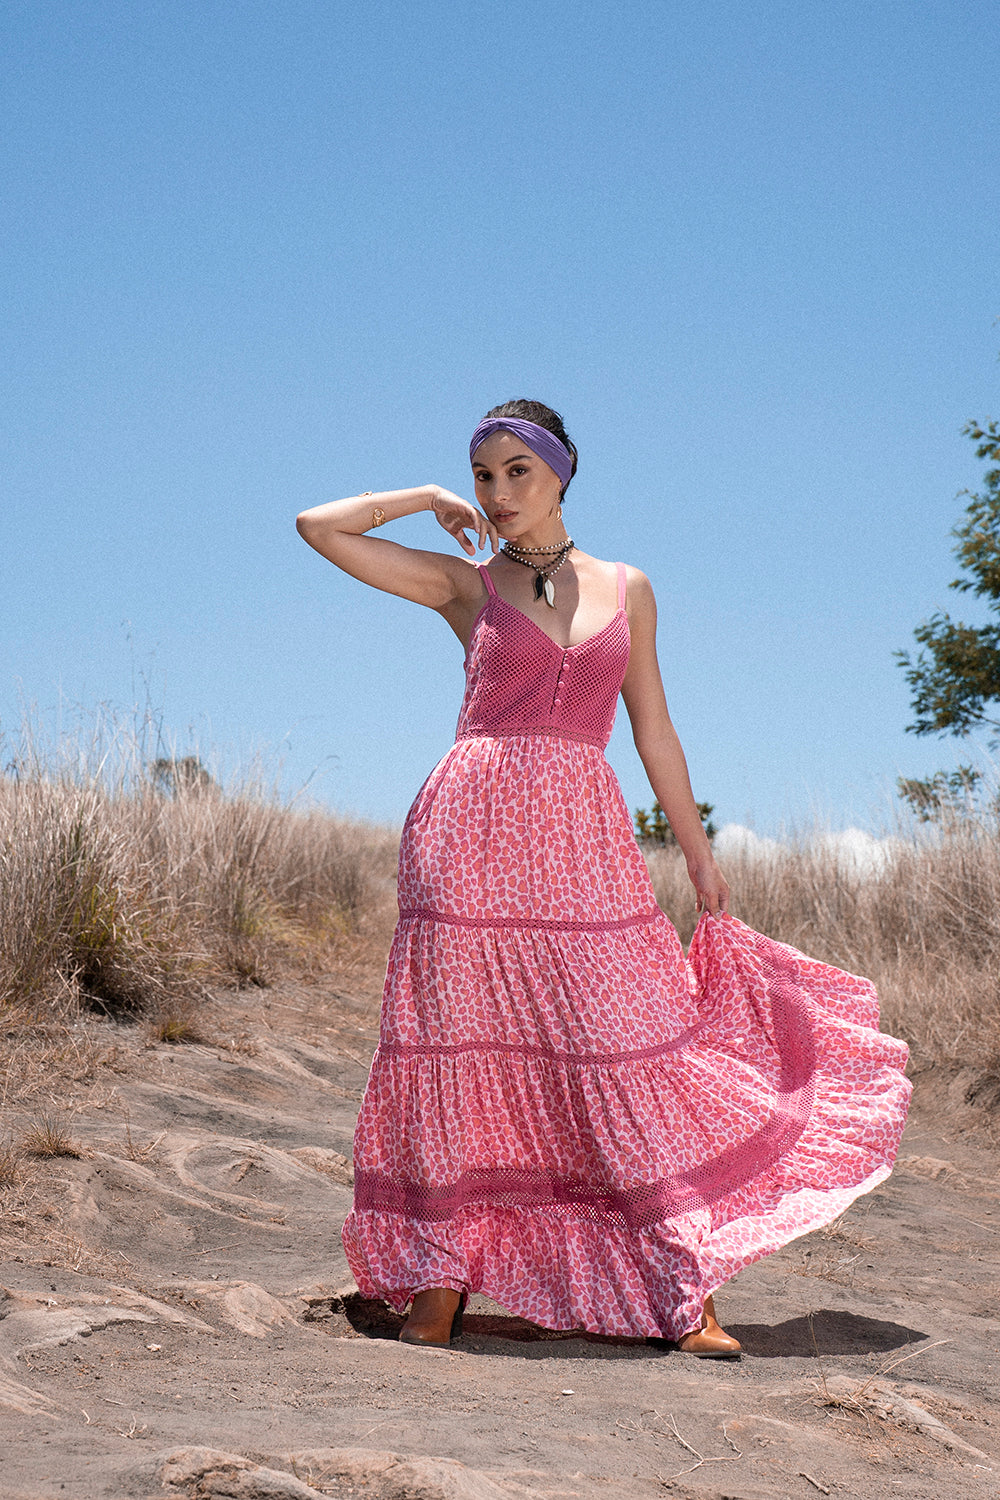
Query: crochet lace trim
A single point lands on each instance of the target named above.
(429, 914)
(519, 1049)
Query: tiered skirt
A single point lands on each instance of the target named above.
(564, 1112)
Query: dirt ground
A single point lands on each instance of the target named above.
(176, 1317)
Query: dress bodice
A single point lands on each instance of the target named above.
(518, 680)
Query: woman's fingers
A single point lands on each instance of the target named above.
(487, 532)
(459, 517)
(714, 901)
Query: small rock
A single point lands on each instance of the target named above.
(210, 1473)
(215, 1475)
(879, 1396)
(398, 1476)
(926, 1166)
(46, 1327)
(248, 1308)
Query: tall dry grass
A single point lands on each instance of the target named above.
(131, 893)
(924, 926)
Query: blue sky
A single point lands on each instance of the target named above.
(257, 256)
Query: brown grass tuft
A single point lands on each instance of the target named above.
(10, 1164)
(47, 1137)
(174, 1027)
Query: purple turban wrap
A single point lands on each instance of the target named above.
(541, 442)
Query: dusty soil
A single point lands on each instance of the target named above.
(176, 1316)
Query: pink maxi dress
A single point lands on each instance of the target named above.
(564, 1113)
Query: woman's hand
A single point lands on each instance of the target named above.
(710, 886)
(456, 514)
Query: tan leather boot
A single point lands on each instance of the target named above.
(709, 1341)
(435, 1318)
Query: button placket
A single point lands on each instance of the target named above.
(563, 673)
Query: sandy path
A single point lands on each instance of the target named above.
(175, 1321)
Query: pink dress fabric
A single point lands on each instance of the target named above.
(565, 1113)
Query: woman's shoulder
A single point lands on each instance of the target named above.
(639, 594)
(466, 576)
(635, 579)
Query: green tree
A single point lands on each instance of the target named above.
(955, 678)
(945, 796)
(653, 828)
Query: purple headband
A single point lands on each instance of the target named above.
(541, 442)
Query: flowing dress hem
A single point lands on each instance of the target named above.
(653, 1288)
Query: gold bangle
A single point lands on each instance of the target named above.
(378, 514)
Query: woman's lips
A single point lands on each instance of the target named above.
(500, 517)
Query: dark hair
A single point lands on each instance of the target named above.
(542, 416)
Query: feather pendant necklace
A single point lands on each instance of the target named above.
(544, 587)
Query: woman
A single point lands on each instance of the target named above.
(562, 1113)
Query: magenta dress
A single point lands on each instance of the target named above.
(565, 1113)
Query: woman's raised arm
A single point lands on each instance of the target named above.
(338, 530)
(660, 749)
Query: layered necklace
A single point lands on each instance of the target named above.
(544, 587)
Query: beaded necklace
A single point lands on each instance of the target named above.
(544, 587)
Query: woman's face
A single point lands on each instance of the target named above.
(515, 489)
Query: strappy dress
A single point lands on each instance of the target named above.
(564, 1112)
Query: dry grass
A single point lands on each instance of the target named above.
(177, 1025)
(128, 894)
(925, 927)
(47, 1136)
(10, 1164)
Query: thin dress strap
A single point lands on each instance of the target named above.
(621, 584)
(484, 573)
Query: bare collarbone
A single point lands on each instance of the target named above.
(586, 598)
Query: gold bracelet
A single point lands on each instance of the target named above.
(378, 514)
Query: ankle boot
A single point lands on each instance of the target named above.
(435, 1318)
(709, 1341)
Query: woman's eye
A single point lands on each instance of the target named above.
(518, 469)
(482, 476)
